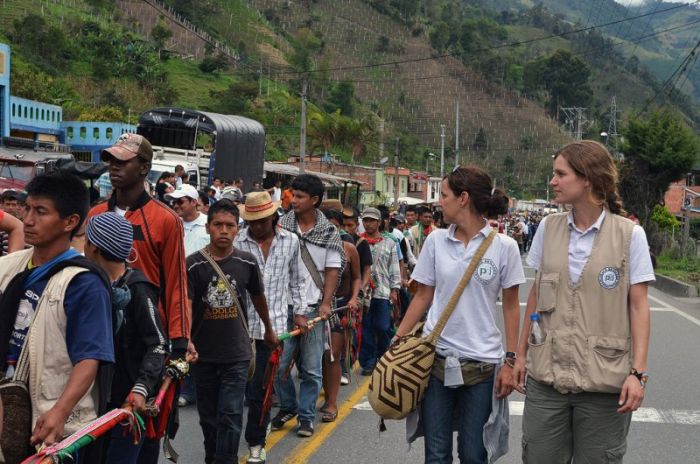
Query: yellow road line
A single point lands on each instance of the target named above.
(307, 448)
(277, 435)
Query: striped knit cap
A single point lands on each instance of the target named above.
(112, 233)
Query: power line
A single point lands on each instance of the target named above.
(494, 47)
(621, 42)
(682, 67)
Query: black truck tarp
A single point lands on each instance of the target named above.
(239, 142)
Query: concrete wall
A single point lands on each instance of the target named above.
(93, 136)
(34, 116)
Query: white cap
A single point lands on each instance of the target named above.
(185, 190)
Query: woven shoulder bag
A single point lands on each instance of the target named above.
(401, 376)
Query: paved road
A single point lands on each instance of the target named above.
(666, 430)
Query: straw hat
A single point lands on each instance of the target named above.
(258, 205)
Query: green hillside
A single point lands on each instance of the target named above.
(377, 70)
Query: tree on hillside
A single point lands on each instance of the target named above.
(47, 43)
(160, 35)
(323, 129)
(358, 133)
(341, 97)
(236, 99)
(564, 76)
(658, 150)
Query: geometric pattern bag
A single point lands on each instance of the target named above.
(401, 376)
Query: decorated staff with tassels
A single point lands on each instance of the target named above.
(221, 280)
(345, 295)
(276, 252)
(140, 342)
(323, 263)
(55, 322)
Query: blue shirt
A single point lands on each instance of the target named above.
(88, 310)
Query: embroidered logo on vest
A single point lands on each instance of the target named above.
(486, 271)
(609, 277)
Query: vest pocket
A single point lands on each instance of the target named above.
(609, 361)
(53, 388)
(547, 292)
(539, 357)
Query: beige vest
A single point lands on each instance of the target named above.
(49, 364)
(587, 325)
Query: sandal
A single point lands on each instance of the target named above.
(329, 416)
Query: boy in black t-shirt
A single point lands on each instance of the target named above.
(220, 331)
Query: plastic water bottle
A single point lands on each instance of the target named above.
(536, 332)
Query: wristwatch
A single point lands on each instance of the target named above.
(510, 355)
(643, 377)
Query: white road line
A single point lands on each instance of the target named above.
(649, 415)
(672, 308)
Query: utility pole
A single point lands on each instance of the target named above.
(260, 75)
(577, 121)
(396, 175)
(302, 138)
(457, 136)
(381, 138)
(442, 151)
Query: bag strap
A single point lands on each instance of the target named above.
(457, 294)
(229, 287)
(310, 264)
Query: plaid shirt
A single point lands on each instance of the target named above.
(282, 279)
(104, 185)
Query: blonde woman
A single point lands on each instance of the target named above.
(586, 366)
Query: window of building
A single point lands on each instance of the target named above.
(109, 133)
(43, 115)
(83, 132)
(31, 112)
(25, 112)
(96, 132)
(69, 132)
(13, 110)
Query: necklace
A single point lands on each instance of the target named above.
(208, 251)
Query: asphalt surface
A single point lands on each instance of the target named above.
(665, 430)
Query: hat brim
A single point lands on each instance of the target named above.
(371, 216)
(176, 195)
(119, 152)
(254, 216)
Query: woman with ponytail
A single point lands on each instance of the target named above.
(582, 353)
(469, 380)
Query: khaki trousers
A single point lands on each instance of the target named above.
(585, 427)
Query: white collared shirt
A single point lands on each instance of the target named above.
(282, 279)
(472, 329)
(581, 246)
(196, 236)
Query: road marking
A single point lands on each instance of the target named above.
(307, 448)
(672, 308)
(649, 415)
(276, 436)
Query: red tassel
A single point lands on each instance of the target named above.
(273, 365)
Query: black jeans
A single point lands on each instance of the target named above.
(220, 389)
(255, 431)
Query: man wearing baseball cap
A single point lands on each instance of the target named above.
(158, 243)
(385, 283)
(184, 201)
(276, 252)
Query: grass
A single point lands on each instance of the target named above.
(185, 76)
(686, 269)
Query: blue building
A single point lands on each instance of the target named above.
(43, 124)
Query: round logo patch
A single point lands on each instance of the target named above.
(609, 277)
(486, 271)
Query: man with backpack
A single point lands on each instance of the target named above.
(55, 314)
(140, 342)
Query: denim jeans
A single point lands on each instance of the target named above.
(255, 432)
(376, 332)
(471, 406)
(220, 389)
(122, 449)
(310, 358)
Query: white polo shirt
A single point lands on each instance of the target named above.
(581, 246)
(472, 330)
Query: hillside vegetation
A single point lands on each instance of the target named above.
(377, 70)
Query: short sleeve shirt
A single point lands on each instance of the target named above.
(581, 246)
(218, 330)
(472, 330)
(88, 310)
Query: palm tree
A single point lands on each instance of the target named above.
(324, 129)
(358, 133)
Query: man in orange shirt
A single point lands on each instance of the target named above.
(287, 198)
(158, 242)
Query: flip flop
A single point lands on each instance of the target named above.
(329, 416)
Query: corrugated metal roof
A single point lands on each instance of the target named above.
(291, 170)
